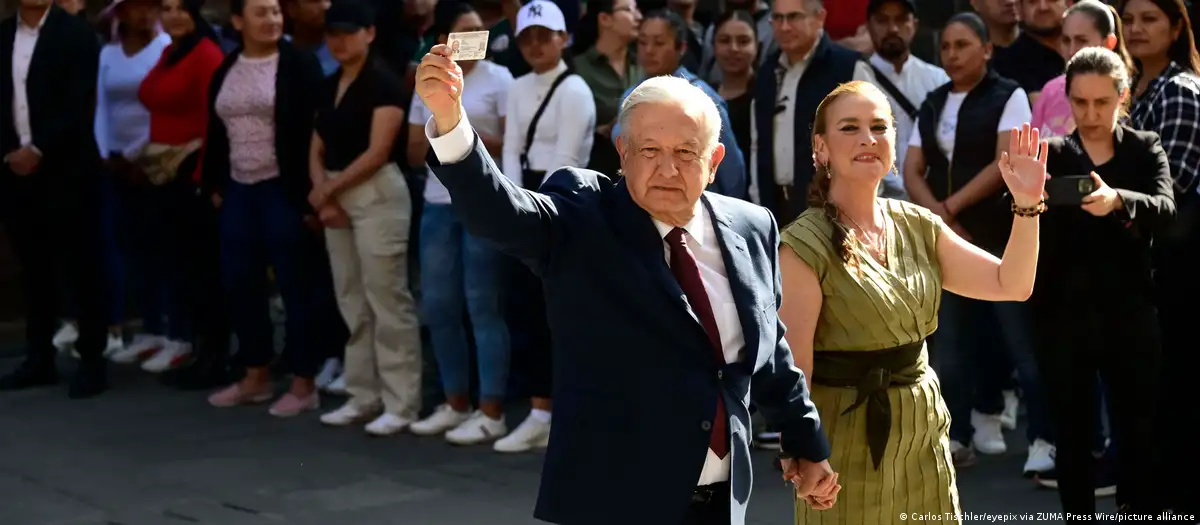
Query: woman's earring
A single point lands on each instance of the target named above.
(828, 172)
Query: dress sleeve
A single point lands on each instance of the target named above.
(810, 238)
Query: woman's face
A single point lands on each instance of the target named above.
(1148, 31)
(858, 141)
(140, 16)
(964, 55)
(466, 23)
(260, 22)
(656, 49)
(1095, 103)
(735, 46)
(1079, 31)
(176, 20)
(623, 21)
(347, 47)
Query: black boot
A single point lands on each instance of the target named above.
(90, 380)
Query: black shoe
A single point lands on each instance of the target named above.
(28, 376)
(89, 381)
(205, 373)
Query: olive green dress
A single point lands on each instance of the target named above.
(879, 307)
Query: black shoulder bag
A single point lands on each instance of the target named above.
(894, 91)
(530, 179)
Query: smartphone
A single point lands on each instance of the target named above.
(1068, 190)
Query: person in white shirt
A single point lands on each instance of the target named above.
(904, 78)
(460, 271)
(561, 136)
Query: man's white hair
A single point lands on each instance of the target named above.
(675, 90)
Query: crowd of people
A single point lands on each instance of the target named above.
(214, 170)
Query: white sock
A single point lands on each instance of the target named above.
(540, 415)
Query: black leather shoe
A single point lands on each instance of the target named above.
(89, 381)
(28, 376)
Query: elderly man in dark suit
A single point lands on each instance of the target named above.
(662, 303)
(49, 183)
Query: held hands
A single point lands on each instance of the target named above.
(440, 85)
(815, 483)
(1023, 166)
(23, 162)
(1102, 201)
(333, 217)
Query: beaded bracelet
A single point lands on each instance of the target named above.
(1029, 212)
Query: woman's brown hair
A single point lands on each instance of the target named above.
(818, 190)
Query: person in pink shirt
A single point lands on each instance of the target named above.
(1089, 23)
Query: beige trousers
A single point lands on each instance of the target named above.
(370, 276)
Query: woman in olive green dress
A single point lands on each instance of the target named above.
(862, 279)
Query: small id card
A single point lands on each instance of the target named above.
(468, 46)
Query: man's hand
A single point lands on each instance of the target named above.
(816, 483)
(320, 194)
(23, 162)
(216, 200)
(334, 217)
(440, 85)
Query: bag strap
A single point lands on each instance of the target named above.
(894, 91)
(538, 116)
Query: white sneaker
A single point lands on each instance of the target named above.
(1012, 406)
(387, 424)
(329, 372)
(142, 347)
(338, 386)
(347, 415)
(530, 434)
(65, 337)
(988, 438)
(173, 355)
(1041, 458)
(479, 428)
(442, 420)
(115, 344)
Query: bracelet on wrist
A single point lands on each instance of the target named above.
(1029, 212)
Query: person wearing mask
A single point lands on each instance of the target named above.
(961, 130)
(1082, 326)
(880, 265)
(362, 200)
(1088, 23)
(1002, 19)
(307, 19)
(175, 94)
(1167, 102)
(48, 187)
(660, 48)
(736, 48)
(122, 128)
(1034, 58)
(460, 271)
(551, 122)
(262, 102)
(789, 85)
(605, 60)
(906, 79)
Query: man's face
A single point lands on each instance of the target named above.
(308, 13)
(892, 29)
(663, 158)
(997, 12)
(797, 24)
(72, 6)
(35, 4)
(1043, 17)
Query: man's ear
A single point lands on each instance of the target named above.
(714, 160)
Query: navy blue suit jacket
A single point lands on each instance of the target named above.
(635, 379)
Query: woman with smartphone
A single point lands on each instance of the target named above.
(1109, 193)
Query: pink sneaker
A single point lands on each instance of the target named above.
(233, 395)
(292, 405)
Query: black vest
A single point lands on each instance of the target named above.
(831, 65)
(989, 221)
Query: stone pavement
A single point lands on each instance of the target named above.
(147, 455)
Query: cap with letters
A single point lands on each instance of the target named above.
(541, 13)
(349, 16)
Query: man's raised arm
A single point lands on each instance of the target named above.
(489, 205)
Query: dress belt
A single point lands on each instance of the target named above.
(870, 372)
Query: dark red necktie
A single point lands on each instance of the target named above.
(683, 266)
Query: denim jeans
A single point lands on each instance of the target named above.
(155, 248)
(261, 227)
(972, 341)
(459, 271)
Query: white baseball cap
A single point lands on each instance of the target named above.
(541, 13)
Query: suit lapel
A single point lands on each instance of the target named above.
(641, 237)
(45, 42)
(739, 271)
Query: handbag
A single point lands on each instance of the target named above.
(160, 162)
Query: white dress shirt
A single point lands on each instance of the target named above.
(24, 44)
(915, 80)
(565, 130)
(702, 240)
